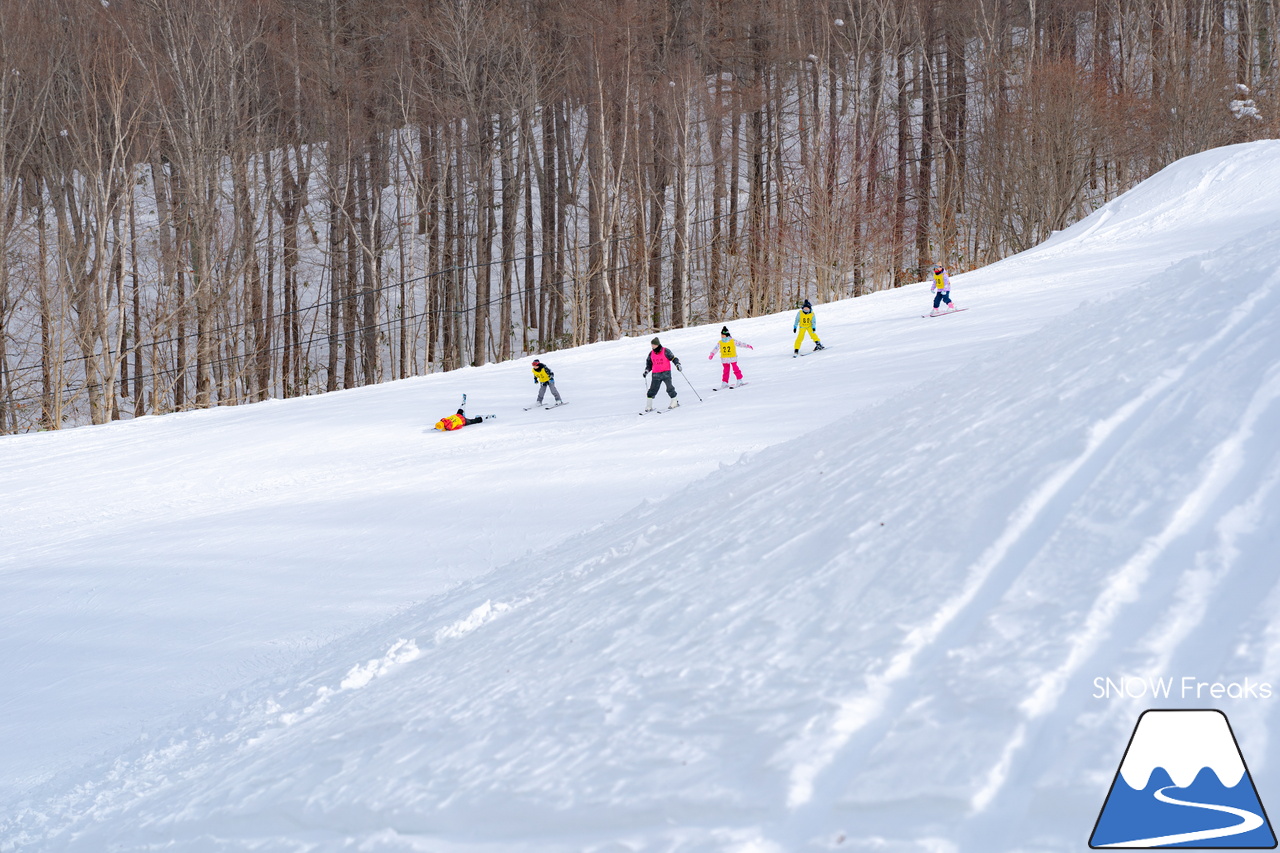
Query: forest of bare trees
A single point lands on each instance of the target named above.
(221, 202)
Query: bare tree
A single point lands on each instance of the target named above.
(88, 177)
(24, 91)
(347, 191)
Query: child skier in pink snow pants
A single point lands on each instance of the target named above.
(728, 349)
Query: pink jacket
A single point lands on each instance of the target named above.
(660, 360)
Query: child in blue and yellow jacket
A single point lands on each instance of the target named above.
(806, 324)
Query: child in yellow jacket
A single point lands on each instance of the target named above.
(942, 290)
(543, 375)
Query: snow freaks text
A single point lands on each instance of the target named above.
(1186, 687)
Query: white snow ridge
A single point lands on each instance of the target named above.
(859, 604)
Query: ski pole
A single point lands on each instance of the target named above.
(691, 388)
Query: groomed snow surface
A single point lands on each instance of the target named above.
(858, 604)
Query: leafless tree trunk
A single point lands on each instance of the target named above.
(924, 170)
(510, 206)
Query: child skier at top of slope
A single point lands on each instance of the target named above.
(659, 363)
(941, 290)
(543, 375)
(806, 323)
(728, 349)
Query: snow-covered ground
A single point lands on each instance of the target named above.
(858, 604)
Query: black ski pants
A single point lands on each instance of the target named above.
(656, 382)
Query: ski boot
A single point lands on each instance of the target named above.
(648, 404)
(674, 403)
(817, 346)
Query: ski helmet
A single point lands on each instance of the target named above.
(537, 363)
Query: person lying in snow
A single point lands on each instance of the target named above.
(457, 421)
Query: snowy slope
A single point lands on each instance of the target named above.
(858, 604)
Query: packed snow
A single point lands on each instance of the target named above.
(905, 594)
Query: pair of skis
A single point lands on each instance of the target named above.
(463, 405)
(719, 388)
(945, 313)
(548, 408)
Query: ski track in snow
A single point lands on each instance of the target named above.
(1125, 585)
(1124, 590)
(868, 620)
(987, 579)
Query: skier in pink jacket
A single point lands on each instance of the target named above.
(659, 364)
(727, 346)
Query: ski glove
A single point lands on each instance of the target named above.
(679, 368)
(645, 374)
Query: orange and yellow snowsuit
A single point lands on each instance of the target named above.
(452, 422)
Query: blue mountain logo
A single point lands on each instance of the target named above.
(1183, 783)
